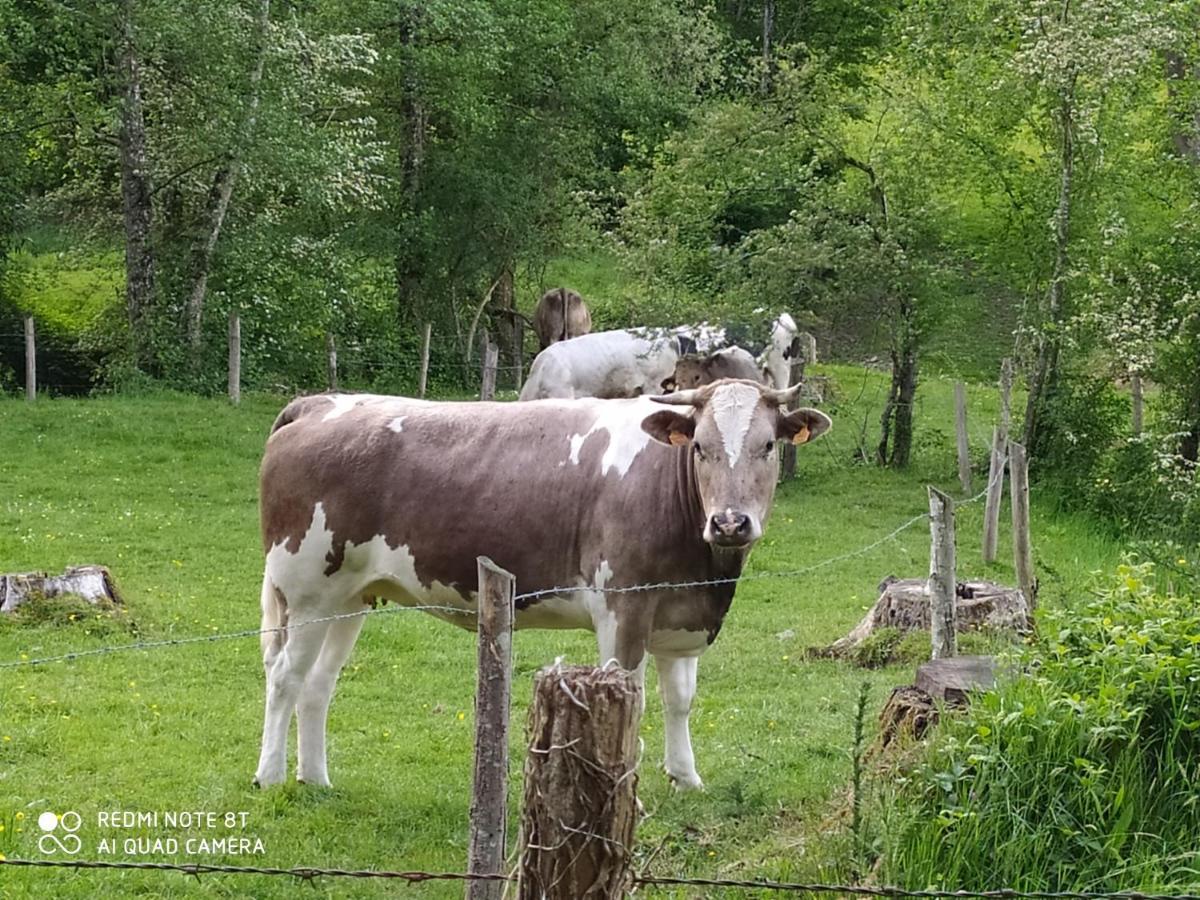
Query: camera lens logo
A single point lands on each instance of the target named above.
(66, 841)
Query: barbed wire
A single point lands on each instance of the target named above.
(228, 635)
(309, 873)
(305, 873)
(452, 610)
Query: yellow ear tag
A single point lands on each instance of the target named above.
(678, 438)
(801, 436)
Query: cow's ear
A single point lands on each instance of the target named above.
(802, 425)
(670, 427)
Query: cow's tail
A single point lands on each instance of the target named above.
(274, 620)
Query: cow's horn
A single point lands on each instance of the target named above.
(783, 397)
(679, 398)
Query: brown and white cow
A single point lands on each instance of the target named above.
(366, 496)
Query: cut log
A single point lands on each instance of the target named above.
(903, 604)
(913, 709)
(93, 583)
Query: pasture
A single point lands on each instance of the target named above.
(162, 489)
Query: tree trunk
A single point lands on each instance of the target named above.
(136, 194)
(415, 125)
(1045, 372)
(221, 191)
(1185, 137)
(896, 423)
(768, 65)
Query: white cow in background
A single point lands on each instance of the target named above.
(784, 347)
(605, 364)
(636, 361)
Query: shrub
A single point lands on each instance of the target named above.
(1081, 773)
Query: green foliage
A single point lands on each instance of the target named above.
(1077, 774)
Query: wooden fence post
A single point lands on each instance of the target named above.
(425, 360)
(519, 351)
(580, 805)
(489, 806)
(1006, 383)
(30, 361)
(331, 360)
(491, 358)
(1018, 471)
(808, 345)
(943, 626)
(235, 358)
(1135, 389)
(995, 490)
(795, 376)
(960, 426)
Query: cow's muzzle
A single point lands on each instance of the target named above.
(731, 529)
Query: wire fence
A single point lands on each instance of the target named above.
(311, 873)
(72, 656)
(446, 610)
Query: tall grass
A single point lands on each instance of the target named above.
(1082, 772)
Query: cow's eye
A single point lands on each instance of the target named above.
(767, 450)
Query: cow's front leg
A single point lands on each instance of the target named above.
(677, 687)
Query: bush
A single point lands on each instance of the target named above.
(1078, 775)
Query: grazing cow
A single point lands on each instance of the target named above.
(366, 496)
(560, 315)
(605, 364)
(696, 371)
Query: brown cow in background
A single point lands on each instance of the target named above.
(561, 314)
(696, 371)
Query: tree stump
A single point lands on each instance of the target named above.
(580, 804)
(903, 604)
(93, 583)
(913, 709)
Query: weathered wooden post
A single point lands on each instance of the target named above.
(425, 360)
(1018, 470)
(30, 361)
(808, 347)
(235, 358)
(580, 804)
(489, 806)
(331, 360)
(491, 357)
(960, 426)
(1006, 383)
(519, 351)
(995, 490)
(995, 485)
(1135, 389)
(943, 626)
(795, 376)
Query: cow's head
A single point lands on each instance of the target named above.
(732, 429)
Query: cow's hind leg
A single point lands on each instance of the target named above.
(677, 687)
(285, 679)
(312, 709)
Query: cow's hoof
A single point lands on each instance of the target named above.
(688, 782)
(314, 781)
(266, 779)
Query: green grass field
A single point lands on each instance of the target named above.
(162, 489)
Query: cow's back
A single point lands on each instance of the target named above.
(437, 484)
